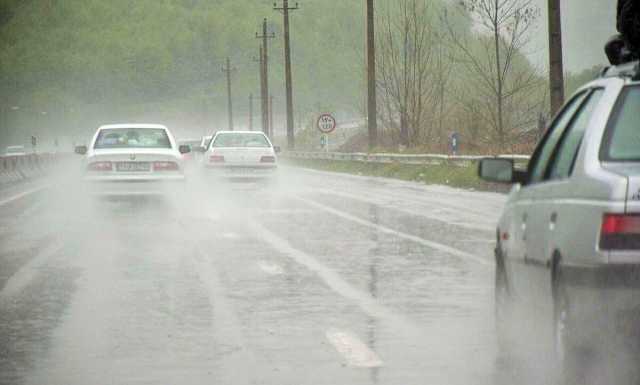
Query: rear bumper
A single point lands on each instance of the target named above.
(604, 276)
(134, 185)
(604, 303)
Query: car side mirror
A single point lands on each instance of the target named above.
(498, 170)
(184, 149)
(80, 150)
(277, 149)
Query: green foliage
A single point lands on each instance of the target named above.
(444, 174)
(126, 55)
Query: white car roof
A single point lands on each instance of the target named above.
(240, 132)
(137, 125)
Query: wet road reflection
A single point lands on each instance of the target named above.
(247, 284)
(373, 284)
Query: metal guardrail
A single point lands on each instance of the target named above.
(16, 168)
(433, 159)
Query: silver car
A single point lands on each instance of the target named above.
(242, 155)
(568, 242)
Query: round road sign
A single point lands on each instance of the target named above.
(326, 123)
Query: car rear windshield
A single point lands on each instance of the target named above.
(623, 136)
(241, 140)
(132, 138)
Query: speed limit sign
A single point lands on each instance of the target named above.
(326, 123)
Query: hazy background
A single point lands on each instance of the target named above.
(68, 65)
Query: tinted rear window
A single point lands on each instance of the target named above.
(132, 138)
(624, 130)
(241, 140)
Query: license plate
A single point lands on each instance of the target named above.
(133, 166)
(240, 170)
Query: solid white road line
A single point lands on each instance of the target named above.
(431, 215)
(26, 274)
(21, 195)
(36, 207)
(332, 279)
(399, 234)
(270, 268)
(354, 351)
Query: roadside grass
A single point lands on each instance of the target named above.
(447, 174)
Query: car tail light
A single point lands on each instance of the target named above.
(216, 159)
(100, 166)
(165, 166)
(268, 159)
(620, 232)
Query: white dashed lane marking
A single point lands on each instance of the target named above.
(355, 352)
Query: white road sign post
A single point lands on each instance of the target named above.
(326, 125)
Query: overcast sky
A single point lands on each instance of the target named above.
(586, 26)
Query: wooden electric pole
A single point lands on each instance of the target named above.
(271, 117)
(372, 108)
(250, 112)
(287, 68)
(264, 65)
(228, 71)
(556, 67)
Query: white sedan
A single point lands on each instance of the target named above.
(133, 159)
(241, 155)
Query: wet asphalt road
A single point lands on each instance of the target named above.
(322, 279)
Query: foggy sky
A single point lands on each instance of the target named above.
(586, 26)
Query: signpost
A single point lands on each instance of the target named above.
(454, 143)
(326, 125)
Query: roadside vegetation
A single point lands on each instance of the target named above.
(447, 174)
(443, 67)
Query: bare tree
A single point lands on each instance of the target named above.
(492, 53)
(405, 63)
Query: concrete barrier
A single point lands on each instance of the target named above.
(16, 168)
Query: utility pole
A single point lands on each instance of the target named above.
(556, 67)
(228, 71)
(262, 86)
(287, 68)
(265, 74)
(250, 112)
(372, 108)
(271, 117)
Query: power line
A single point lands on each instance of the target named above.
(287, 65)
